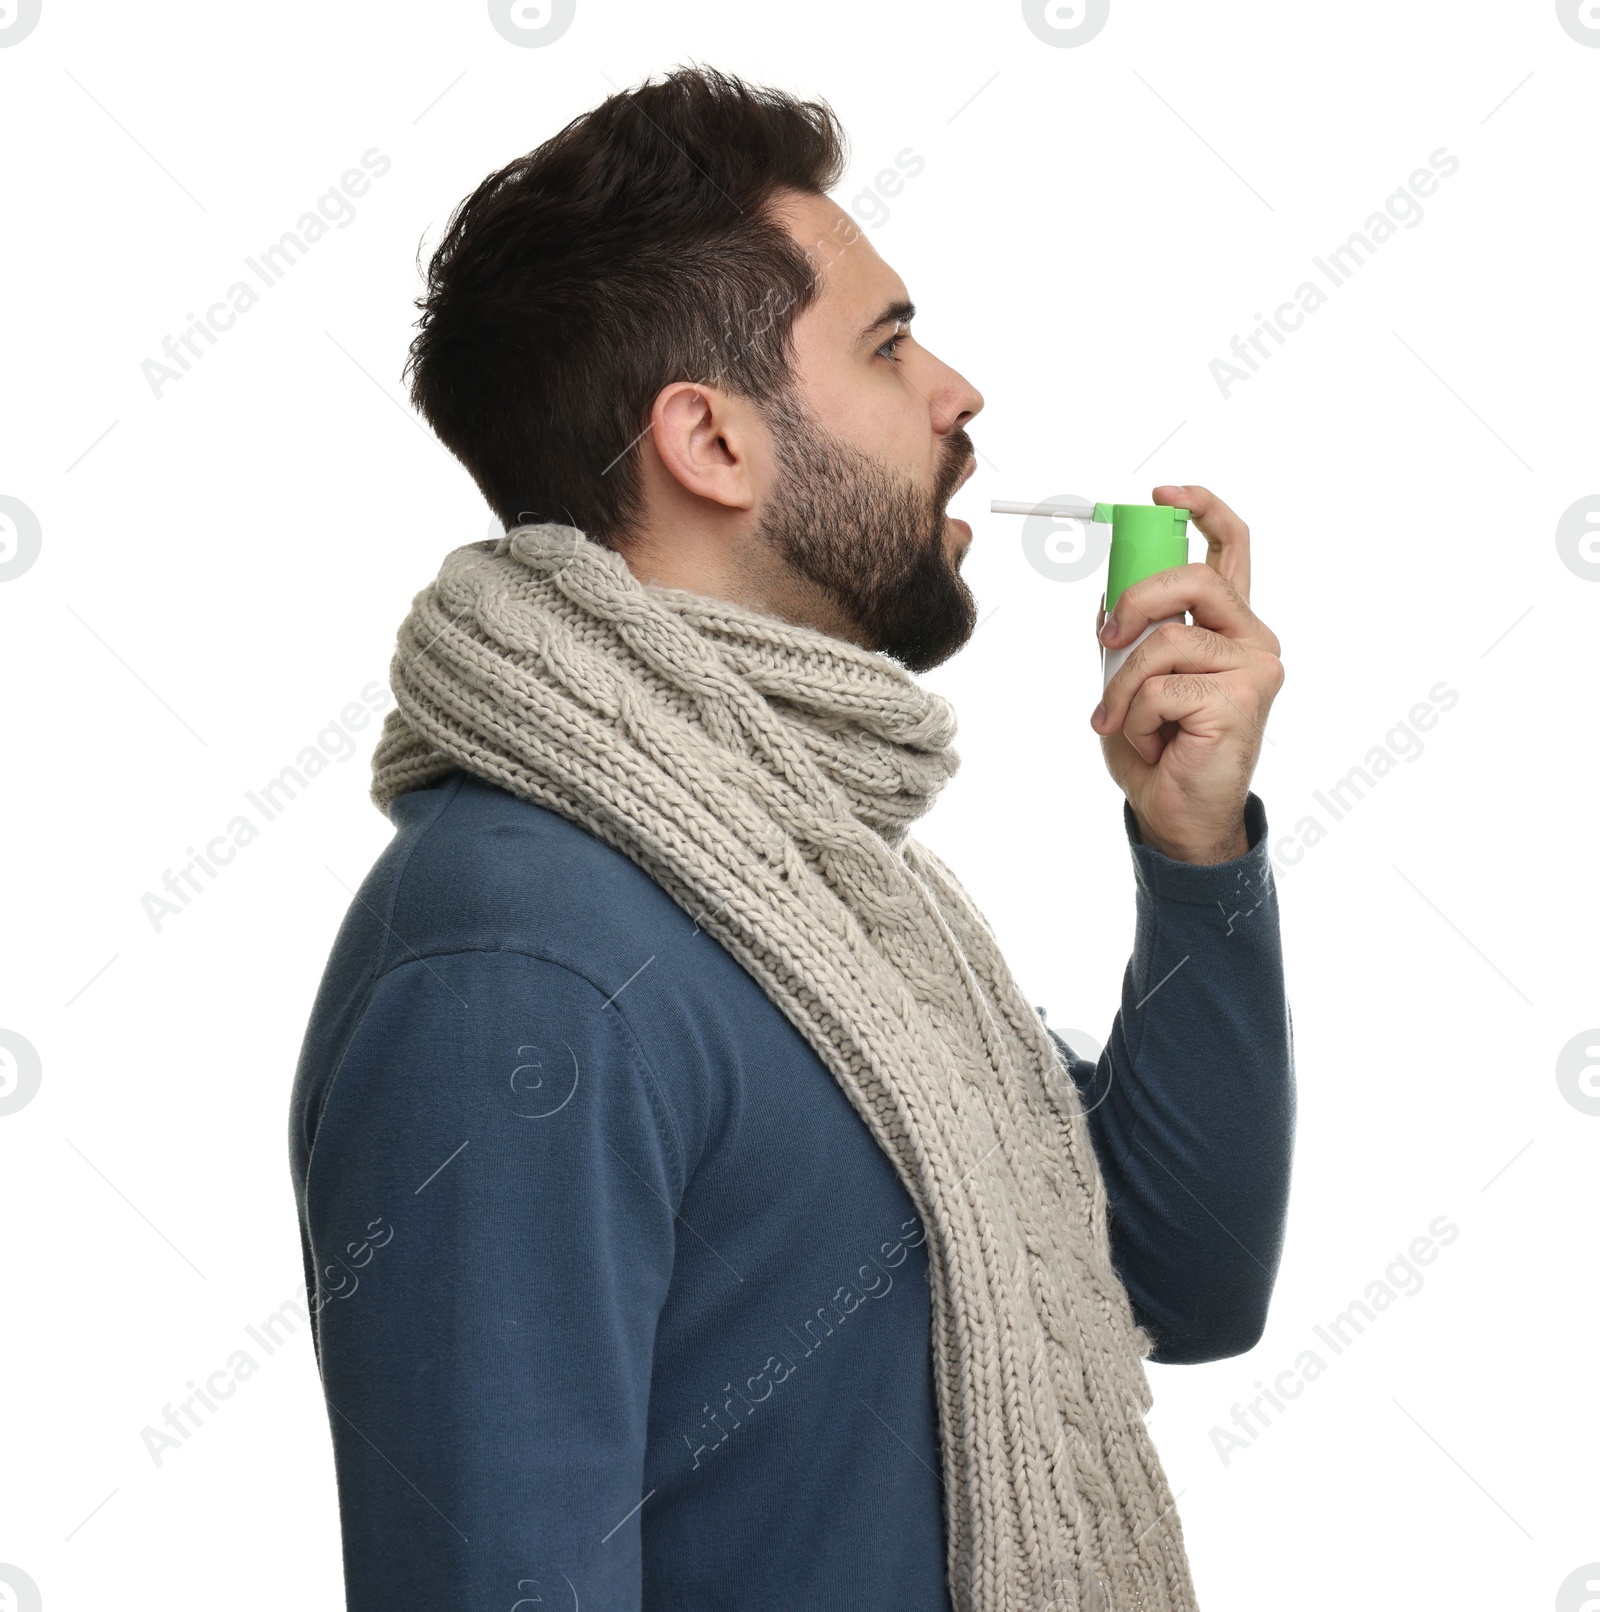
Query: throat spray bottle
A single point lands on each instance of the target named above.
(1145, 539)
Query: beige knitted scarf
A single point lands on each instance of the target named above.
(766, 775)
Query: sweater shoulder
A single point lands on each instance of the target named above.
(477, 868)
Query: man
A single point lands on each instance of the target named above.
(695, 1213)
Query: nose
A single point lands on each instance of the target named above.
(955, 401)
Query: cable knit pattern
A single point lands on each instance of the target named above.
(767, 775)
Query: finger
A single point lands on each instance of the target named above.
(1227, 537)
(1171, 648)
(1215, 602)
(1198, 704)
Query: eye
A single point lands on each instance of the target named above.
(888, 349)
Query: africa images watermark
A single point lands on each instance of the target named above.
(21, 1072)
(873, 1280)
(1403, 208)
(1400, 1279)
(532, 24)
(190, 1414)
(334, 743)
(335, 209)
(20, 537)
(1066, 24)
(1403, 742)
(18, 19)
(870, 204)
(869, 207)
(1577, 1071)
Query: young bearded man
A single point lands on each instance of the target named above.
(696, 1215)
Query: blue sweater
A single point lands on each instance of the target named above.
(620, 1305)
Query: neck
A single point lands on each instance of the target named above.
(722, 558)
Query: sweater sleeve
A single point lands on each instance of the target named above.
(1191, 1105)
(489, 1209)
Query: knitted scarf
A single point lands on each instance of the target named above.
(766, 776)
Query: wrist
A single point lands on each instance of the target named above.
(1223, 847)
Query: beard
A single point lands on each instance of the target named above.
(872, 542)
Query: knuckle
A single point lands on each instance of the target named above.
(1139, 658)
(1139, 698)
(1186, 686)
(1190, 641)
(1212, 645)
(1249, 697)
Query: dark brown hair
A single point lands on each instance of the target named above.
(628, 251)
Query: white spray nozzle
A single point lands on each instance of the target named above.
(1073, 512)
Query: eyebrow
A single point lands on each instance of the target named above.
(897, 313)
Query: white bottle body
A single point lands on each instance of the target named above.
(1112, 659)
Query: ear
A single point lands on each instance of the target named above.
(704, 440)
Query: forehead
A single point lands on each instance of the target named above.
(855, 284)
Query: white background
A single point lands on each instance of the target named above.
(222, 569)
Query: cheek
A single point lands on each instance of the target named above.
(877, 410)
(891, 425)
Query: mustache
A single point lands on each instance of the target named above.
(959, 452)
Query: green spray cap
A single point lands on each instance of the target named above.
(1145, 538)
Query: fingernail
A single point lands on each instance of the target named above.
(1099, 715)
(1109, 631)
